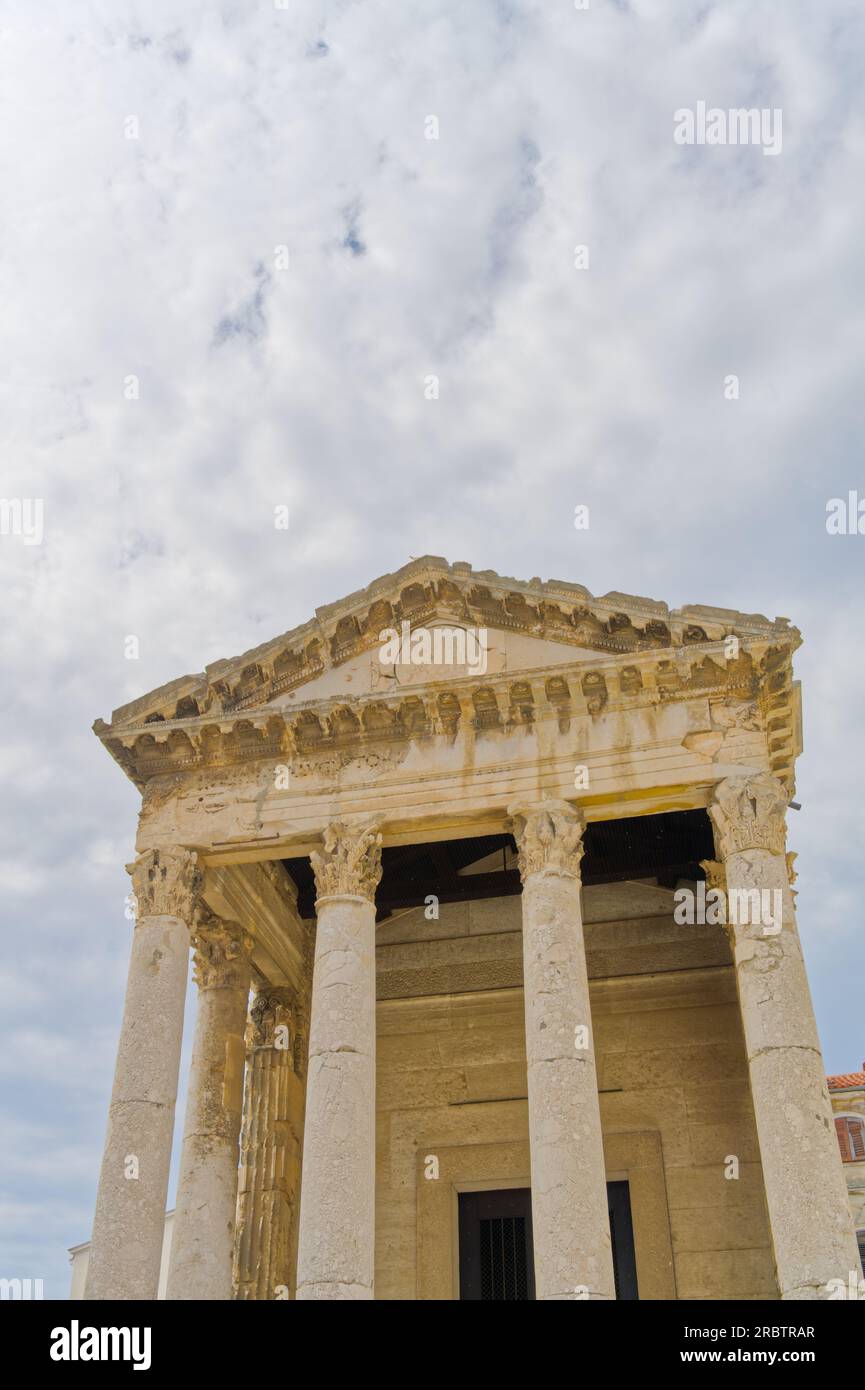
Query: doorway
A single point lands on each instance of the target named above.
(496, 1262)
(495, 1245)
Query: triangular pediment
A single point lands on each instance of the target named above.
(532, 651)
(531, 623)
(437, 652)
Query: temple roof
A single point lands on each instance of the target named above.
(323, 675)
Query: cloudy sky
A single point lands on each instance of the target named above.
(168, 380)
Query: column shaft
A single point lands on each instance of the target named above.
(573, 1257)
(806, 1195)
(203, 1238)
(126, 1246)
(271, 1148)
(336, 1249)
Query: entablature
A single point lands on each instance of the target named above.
(755, 688)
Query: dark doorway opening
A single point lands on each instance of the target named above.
(496, 1261)
(496, 1253)
(622, 1236)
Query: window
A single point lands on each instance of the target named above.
(851, 1137)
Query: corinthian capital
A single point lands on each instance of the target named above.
(222, 951)
(166, 883)
(549, 835)
(748, 812)
(350, 862)
(274, 1006)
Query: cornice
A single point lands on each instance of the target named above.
(379, 729)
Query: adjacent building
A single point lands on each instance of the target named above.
(847, 1094)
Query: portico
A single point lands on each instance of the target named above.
(431, 912)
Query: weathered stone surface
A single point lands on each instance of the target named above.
(337, 1213)
(412, 1123)
(130, 1206)
(350, 862)
(748, 813)
(319, 695)
(203, 1240)
(806, 1195)
(165, 882)
(271, 1147)
(573, 1257)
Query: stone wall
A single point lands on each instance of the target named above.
(451, 1083)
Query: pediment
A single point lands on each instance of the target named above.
(531, 623)
(434, 654)
(551, 651)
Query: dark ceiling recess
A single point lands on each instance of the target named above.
(666, 847)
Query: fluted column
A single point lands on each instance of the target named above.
(573, 1255)
(337, 1199)
(806, 1195)
(271, 1146)
(202, 1241)
(126, 1246)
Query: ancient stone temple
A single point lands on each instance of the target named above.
(500, 990)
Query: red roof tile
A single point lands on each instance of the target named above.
(846, 1080)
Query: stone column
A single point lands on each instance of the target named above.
(271, 1147)
(805, 1189)
(202, 1243)
(337, 1198)
(126, 1246)
(573, 1254)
